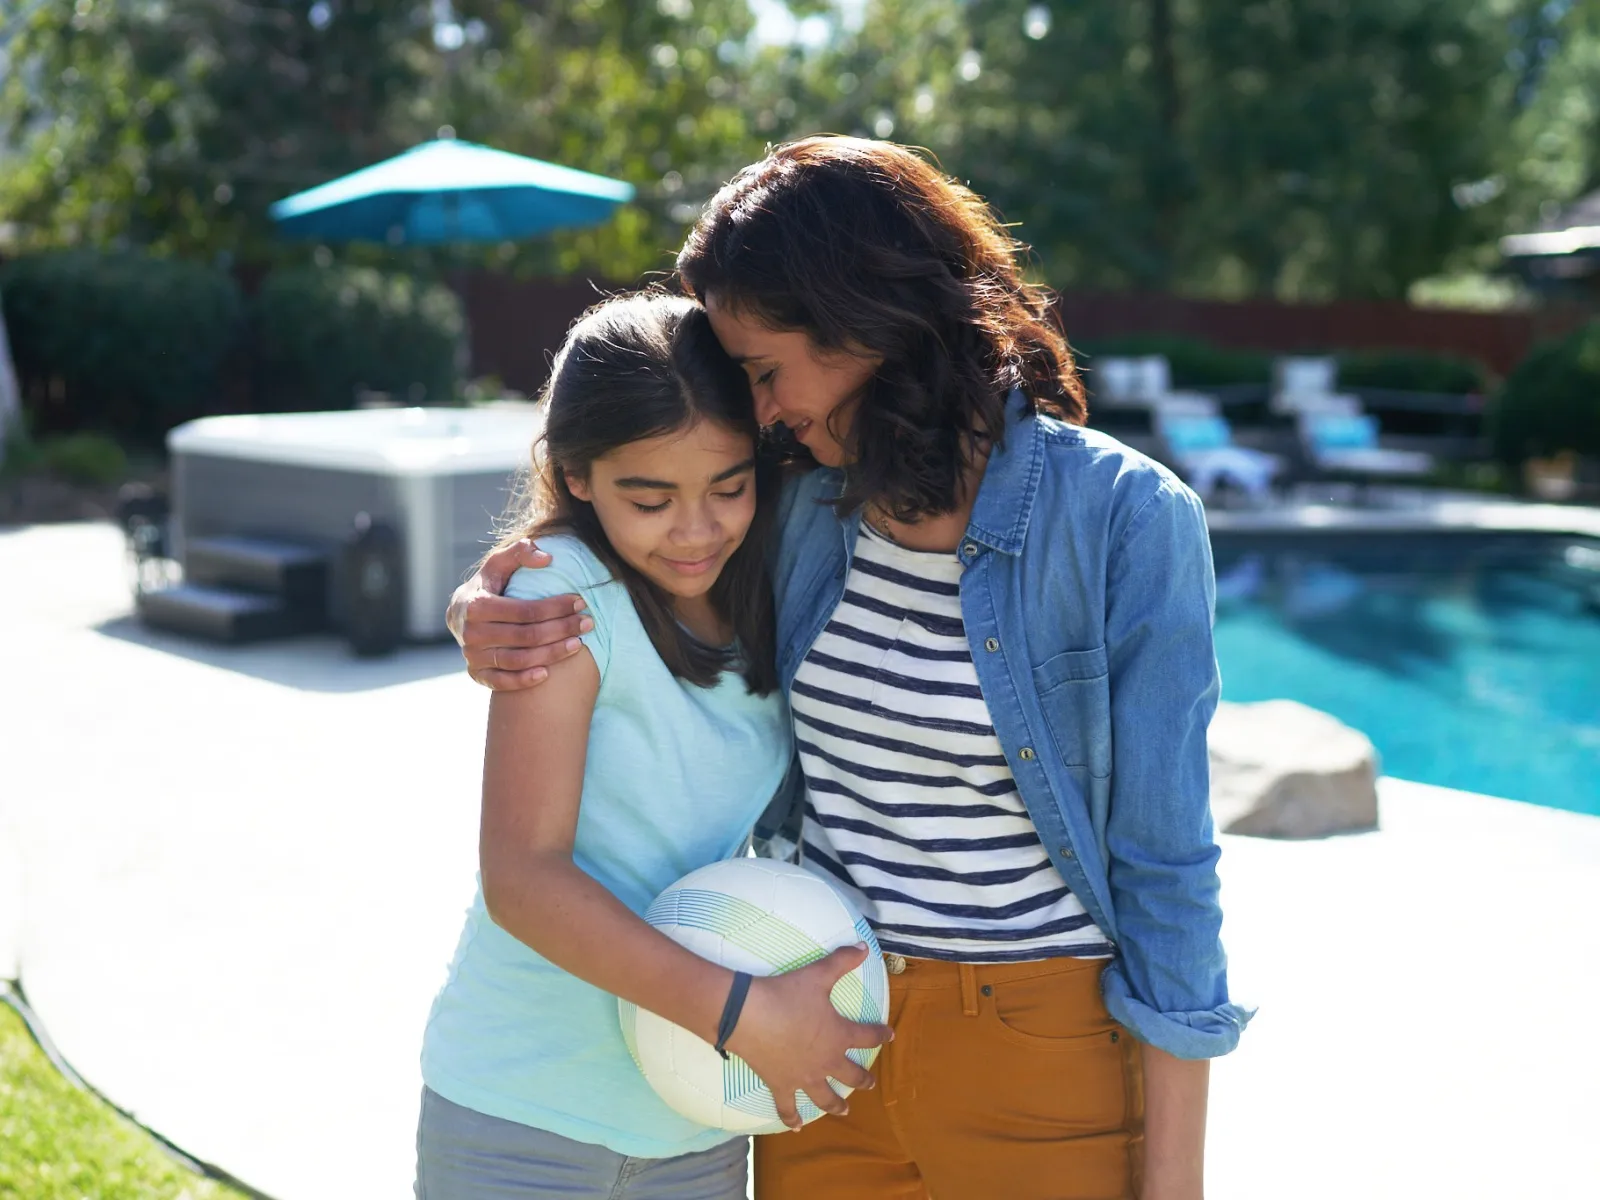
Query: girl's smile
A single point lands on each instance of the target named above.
(675, 508)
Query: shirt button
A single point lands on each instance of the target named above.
(1066, 851)
(970, 550)
(991, 644)
(1026, 754)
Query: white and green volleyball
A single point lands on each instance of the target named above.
(763, 917)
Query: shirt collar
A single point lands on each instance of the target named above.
(1010, 481)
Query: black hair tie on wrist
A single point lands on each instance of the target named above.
(731, 1010)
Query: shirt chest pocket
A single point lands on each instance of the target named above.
(1074, 690)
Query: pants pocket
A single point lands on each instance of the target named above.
(1064, 1056)
(1058, 1008)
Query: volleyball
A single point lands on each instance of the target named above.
(763, 917)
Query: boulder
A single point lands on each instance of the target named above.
(1281, 769)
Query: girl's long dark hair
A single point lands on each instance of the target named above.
(867, 247)
(636, 367)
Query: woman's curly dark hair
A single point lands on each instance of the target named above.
(867, 247)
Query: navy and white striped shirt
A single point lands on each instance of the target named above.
(910, 804)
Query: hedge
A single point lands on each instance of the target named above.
(129, 344)
(320, 334)
(1551, 402)
(121, 343)
(1199, 364)
(1194, 364)
(1411, 371)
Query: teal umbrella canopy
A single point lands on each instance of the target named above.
(450, 191)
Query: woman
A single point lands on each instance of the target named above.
(994, 627)
(647, 485)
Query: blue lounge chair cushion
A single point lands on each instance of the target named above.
(1342, 431)
(1188, 434)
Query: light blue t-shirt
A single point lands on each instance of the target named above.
(675, 778)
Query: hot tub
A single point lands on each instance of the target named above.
(310, 483)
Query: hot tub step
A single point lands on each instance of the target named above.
(295, 571)
(220, 614)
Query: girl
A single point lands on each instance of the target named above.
(648, 753)
(994, 627)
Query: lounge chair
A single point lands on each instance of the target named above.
(1117, 380)
(1344, 445)
(1198, 442)
(1299, 383)
(1338, 438)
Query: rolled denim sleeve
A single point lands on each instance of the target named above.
(1169, 982)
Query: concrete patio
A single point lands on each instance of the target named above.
(231, 880)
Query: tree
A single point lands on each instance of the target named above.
(652, 93)
(174, 124)
(1302, 149)
(1553, 154)
(1297, 148)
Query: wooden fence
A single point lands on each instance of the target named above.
(518, 323)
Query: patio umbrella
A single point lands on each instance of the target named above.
(450, 191)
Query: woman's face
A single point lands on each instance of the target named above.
(795, 381)
(675, 507)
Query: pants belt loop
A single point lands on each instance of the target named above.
(969, 989)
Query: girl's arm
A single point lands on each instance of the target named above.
(1175, 1094)
(789, 1032)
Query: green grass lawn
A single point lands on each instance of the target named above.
(60, 1143)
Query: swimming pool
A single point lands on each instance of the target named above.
(1470, 663)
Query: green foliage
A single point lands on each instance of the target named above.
(63, 1144)
(1553, 152)
(659, 93)
(1411, 371)
(130, 345)
(86, 458)
(1199, 364)
(1551, 402)
(125, 343)
(1491, 477)
(1303, 149)
(175, 125)
(1332, 148)
(323, 333)
(20, 453)
(1193, 363)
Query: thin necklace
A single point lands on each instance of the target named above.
(880, 523)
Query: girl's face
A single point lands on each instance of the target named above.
(675, 507)
(795, 381)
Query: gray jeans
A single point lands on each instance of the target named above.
(464, 1155)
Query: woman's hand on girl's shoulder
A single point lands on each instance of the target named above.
(510, 644)
(794, 1039)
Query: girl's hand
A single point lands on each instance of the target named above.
(510, 644)
(794, 1039)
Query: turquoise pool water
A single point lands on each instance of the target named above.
(1469, 667)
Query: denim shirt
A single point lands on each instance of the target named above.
(1087, 598)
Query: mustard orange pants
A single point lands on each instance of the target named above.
(1003, 1082)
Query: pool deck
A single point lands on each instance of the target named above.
(1394, 510)
(232, 879)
